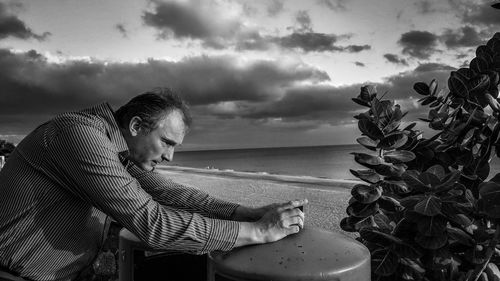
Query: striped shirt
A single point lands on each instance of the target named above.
(67, 178)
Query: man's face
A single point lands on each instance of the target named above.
(149, 149)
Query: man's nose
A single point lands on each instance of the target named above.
(168, 155)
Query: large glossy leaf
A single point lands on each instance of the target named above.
(398, 156)
(437, 170)
(458, 86)
(367, 175)
(369, 129)
(459, 219)
(431, 242)
(490, 197)
(349, 224)
(360, 210)
(368, 143)
(378, 237)
(366, 159)
(410, 201)
(479, 84)
(421, 88)
(383, 222)
(456, 235)
(366, 193)
(483, 51)
(429, 179)
(393, 141)
(448, 182)
(413, 181)
(389, 170)
(464, 73)
(384, 262)
(367, 222)
(433, 87)
(389, 204)
(367, 92)
(430, 205)
(396, 187)
(431, 226)
(361, 102)
(479, 65)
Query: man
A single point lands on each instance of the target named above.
(73, 174)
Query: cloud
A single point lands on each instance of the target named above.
(275, 7)
(304, 22)
(317, 42)
(425, 7)
(12, 26)
(433, 67)
(358, 63)
(419, 44)
(206, 22)
(193, 19)
(121, 28)
(32, 85)
(335, 5)
(395, 59)
(467, 36)
(481, 13)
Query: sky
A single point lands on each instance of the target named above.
(267, 73)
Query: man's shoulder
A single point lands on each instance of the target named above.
(92, 116)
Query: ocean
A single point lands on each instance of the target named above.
(332, 162)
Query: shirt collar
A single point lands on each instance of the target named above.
(106, 112)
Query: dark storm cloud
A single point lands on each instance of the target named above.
(121, 28)
(12, 26)
(34, 86)
(325, 104)
(466, 36)
(395, 59)
(317, 42)
(418, 44)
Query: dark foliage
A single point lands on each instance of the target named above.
(425, 210)
(6, 148)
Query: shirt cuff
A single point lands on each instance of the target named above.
(223, 235)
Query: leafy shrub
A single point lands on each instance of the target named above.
(425, 210)
(6, 148)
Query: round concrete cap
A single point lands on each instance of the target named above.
(311, 254)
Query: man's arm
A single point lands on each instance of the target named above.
(90, 169)
(169, 193)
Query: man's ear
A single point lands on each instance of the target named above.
(134, 125)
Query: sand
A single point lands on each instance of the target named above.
(327, 198)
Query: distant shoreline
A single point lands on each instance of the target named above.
(318, 183)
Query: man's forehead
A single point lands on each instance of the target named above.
(173, 118)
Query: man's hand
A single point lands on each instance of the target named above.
(278, 222)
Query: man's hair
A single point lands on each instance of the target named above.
(151, 107)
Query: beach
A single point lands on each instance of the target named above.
(327, 197)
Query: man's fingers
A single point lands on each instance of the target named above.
(293, 204)
(298, 221)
